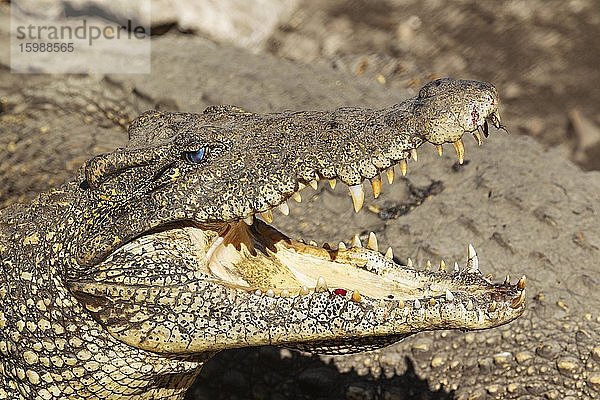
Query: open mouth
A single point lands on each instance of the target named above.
(187, 267)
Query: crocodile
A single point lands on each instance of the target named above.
(122, 282)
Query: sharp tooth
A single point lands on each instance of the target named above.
(432, 302)
(284, 208)
(470, 305)
(389, 173)
(270, 293)
(356, 241)
(358, 196)
(296, 196)
(522, 282)
(459, 146)
(249, 220)
(389, 253)
(413, 154)
(314, 184)
(485, 129)
(443, 265)
(428, 265)
(403, 167)
(304, 291)
(449, 295)
(492, 307)
(507, 279)
(372, 242)
(376, 185)
(519, 300)
(456, 267)
(473, 264)
(342, 246)
(409, 262)
(471, 251)
(285, 293)
(401, 303)
(267, 216)
(258, 292)
(356, 297)
(477, 137)
(321, 285)
(313, 243)
(417, 304)
(301, 186)
(440, 149)
(332, 183)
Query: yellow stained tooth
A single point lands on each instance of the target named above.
(356, 241)
(267, 216)
(403, 167)
(477, 137)
(314, 184)
(296, 196)
(358, 196)
(507, 279)
(284, 208)
(522, 282)
(249, 220)
(428, 265)
(440, 149)
(372, 242)
(413, 154)
(442, 265)
(376, 185)
(409, 262)
(356, 297)
(519, 300)
(342, 246)
(459, 146)
(332, 183)
(389, 173)
(389, 253)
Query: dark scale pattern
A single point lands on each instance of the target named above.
(87, 312)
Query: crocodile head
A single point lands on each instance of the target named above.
(174, 261)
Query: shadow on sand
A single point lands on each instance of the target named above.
(262, 373)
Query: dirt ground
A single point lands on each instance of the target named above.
(542, 55)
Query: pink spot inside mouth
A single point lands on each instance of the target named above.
(340, 292)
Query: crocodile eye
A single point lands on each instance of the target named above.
(196, 156)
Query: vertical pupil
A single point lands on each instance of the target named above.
(195, 156)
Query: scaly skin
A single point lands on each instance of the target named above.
(121, 283)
